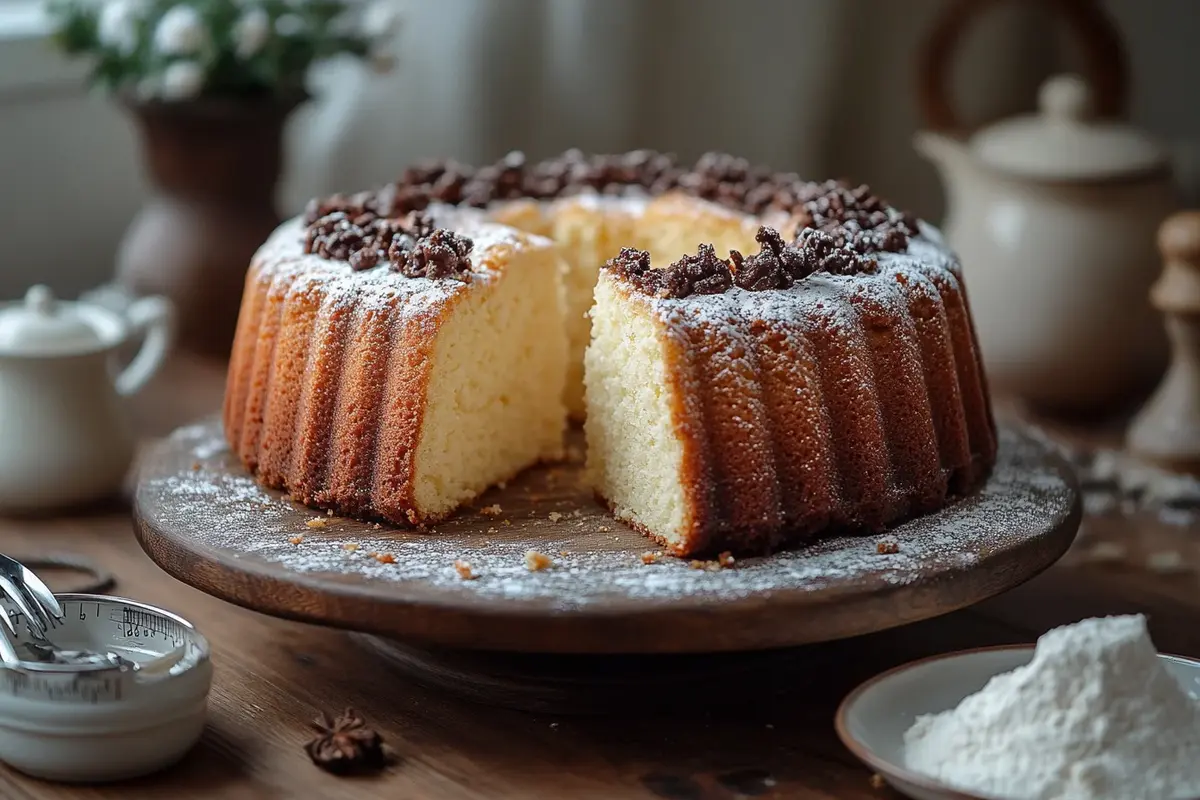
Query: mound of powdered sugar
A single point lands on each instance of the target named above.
(1094, 715)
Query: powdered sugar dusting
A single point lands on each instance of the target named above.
(209, 493)
(282, 259)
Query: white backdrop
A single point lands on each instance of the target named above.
(823, 87)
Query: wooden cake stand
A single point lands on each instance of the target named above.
(206, 522)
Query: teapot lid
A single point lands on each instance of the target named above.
(1063, 142)
(44, 326)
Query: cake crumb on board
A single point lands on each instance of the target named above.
(464, 570)
(317, 522)
(493, 510)
(297, 539)
(535, 561)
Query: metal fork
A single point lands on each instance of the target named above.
(31, 597)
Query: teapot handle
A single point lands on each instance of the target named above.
(154, 316)
(1106, 65)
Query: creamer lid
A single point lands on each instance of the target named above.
(44, 325)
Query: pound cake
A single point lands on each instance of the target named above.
(400, 350)
(824, 384)
(393, 368)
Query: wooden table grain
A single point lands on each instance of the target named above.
(769, 738)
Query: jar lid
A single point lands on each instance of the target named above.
(43, 325)
(1064, 142)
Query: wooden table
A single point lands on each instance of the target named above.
(273, 676)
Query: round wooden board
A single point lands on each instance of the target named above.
(205, 521)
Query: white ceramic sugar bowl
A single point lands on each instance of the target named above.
(1055, 216)
(65, 437)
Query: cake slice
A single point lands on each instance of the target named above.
(397, 386)
(813, 387)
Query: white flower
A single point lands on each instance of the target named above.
(182, 80)
(289, 25)
(180, 32)
(117, 26)
(146, 89)
(379, 20)
(251, 33)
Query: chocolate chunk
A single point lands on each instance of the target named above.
(440, 254)
(702, 273)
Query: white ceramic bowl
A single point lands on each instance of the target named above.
(873, 718)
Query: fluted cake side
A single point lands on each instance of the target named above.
(379, 395)
(746, 420)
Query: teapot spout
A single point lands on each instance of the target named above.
(945, 152)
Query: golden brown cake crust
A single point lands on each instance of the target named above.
(855, 404)
(329, 371)
(843, 402)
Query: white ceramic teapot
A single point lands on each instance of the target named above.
(1055, 216)
(65, 437)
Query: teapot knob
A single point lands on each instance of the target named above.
(1066, 98)
(40, 300)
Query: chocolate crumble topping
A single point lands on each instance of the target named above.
(413, 246)
(702, 273)
(363, 228)
(438, 254)
(855, 217)
(776, 266)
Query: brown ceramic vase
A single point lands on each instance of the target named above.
(213, 167)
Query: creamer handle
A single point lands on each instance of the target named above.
(154, 317)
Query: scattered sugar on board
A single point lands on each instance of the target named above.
(1115, 483)
(257, 523)
(1095, 715)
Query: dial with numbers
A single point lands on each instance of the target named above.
(112, 671)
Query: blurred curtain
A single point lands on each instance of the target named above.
(823, 87)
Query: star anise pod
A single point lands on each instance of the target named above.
(346, 744)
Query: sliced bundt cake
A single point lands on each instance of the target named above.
(392, 368)
(831, 383)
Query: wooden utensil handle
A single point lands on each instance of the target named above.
(1105, 61)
